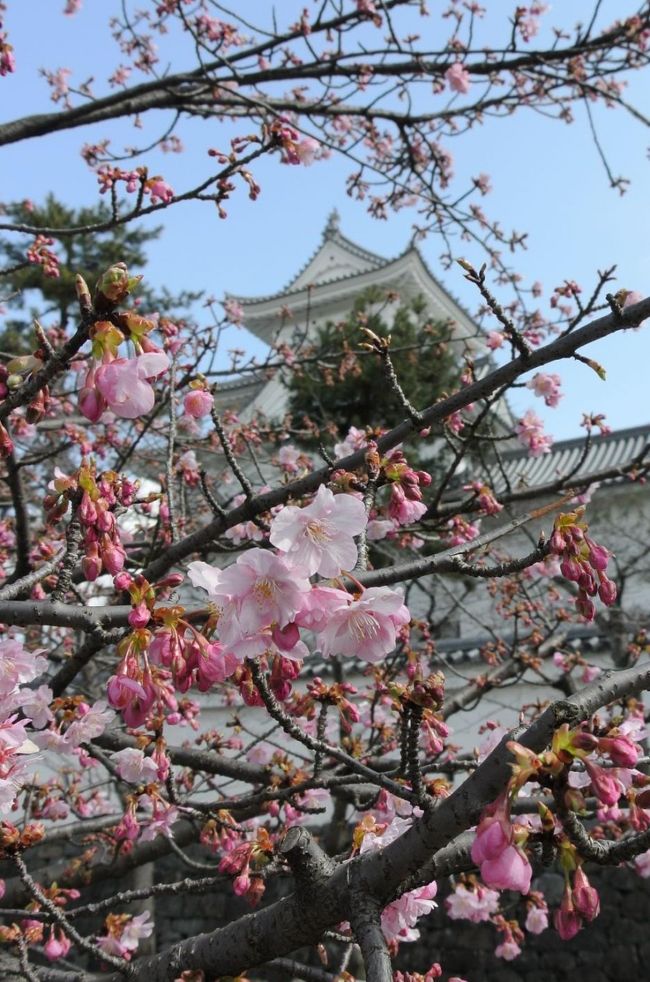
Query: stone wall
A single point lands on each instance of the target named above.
(614, 948)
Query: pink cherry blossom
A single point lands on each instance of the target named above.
(547, 387)
(530, 432)
(399, 918)
(18, 665)
(159, 190)
(133, 766)
(355, 440)
(536, 920)
(234, 311)
(402, 509)
(509, 871)
(90, 722)
(320, 537)
(472, 905)
(458, 78)
(288, 458)
(366, 628)
(123, 383)
(198, 403)
(508, 949)
(36, 705)
(261, 589)
(494, 340)
(307, 150)
(319, 604)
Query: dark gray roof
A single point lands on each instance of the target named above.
(569, 460)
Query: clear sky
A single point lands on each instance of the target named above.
(546, 179)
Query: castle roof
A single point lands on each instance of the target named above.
(340, 269)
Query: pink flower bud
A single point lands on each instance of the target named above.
(607, 591)
(621, 749)
(91, 564)
(87, 510)
(287, 637)
(606, 788)
(567, 921)
(198, 403)
(139, 616)
(598, 555)
(583, 740)
(241, 884)
(585, 897)
(587, 582)
(557, 543)
(113, 556)
(92, 404)
(171, 581)
(6, 443)
(122, 581)
(571, 569)
(57, 945)
(585, 606)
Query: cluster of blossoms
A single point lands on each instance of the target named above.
(7, 60)
(399, 918)
(260, 604)
(498, 848)
(530, 433)
(406, 505)
(61, 725)
(245, 860)
(95, 498)
(583, 562)
(19, 667)
(135, 180)
(293, 148)
(124, 933)
(40, 254)
(547, 387)
(113, 382)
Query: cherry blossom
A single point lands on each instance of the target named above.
(133, 766)
(530, 431)
(258, 590)
(366, 628)
(472, 905)
(399, 918)
(123, 383)
(458, 78)
(320, 537)
(547, 386)
(198, 403)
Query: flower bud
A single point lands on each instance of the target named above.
(122, 581)
(607, 591)
(620, 749)
(585, 897)
(6, 443)
(114, 285)
(113, 556)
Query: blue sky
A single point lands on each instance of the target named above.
(546, 180)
